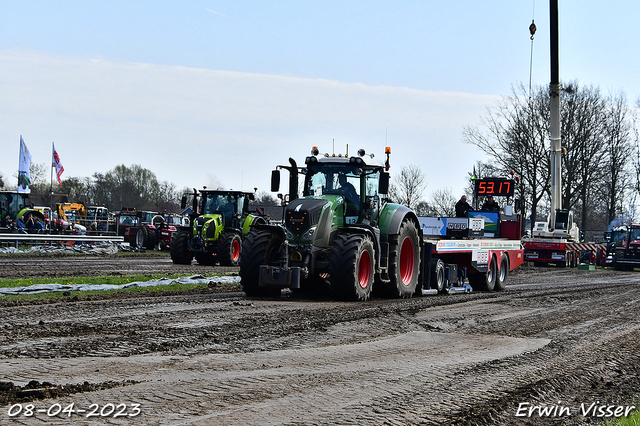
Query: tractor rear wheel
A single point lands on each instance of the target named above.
(352, 267)
(179, 252)
(485, 281)
(229, 245)
(404, 260)
(258, 248)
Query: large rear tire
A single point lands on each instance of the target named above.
(352, 267)
(149, 237)
(258, 248)
(229, 246)
(503, 273)
(178, 248)
(404, 260)
(485, 281)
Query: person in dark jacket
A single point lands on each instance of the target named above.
(462, 207)
(491, 205)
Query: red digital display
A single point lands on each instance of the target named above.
(497, 187)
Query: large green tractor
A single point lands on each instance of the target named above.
(342, 233)
(219, 222)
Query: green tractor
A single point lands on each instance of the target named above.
(342, 235)
(219, 222)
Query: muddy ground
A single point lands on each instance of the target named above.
(564, 339)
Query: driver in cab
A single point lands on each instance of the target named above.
(347, 190)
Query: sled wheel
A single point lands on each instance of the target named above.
(485, 281)
(503, 273)
(437, 277)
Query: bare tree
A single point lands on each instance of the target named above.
(616, 180)
(514, 135)
(594, 133)
(443, 203)
(266, 199)
(408, 186)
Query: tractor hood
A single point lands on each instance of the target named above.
(313, 219)
(208, 226)
(303, 213)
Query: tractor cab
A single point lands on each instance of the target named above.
(231, 205)
(11, 203)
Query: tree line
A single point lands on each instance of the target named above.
(600, 161)
(122, 186)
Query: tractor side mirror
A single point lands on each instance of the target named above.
(275, 180)
(183, 202)
(383, 184)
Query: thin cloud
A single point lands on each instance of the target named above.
(217, 13)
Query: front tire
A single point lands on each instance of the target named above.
(352, 267)
(258, 248)
(229, 246)
(179, 252)
(404, 261)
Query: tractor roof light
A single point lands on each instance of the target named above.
(314, 150)
(361, 152)
(387, 150)
(310, 159)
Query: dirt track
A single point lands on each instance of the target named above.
(554, 337)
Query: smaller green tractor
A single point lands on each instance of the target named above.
(218, 224)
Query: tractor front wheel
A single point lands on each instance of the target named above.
(351, 267)
(179, 252)
(258, 248)
(229, 245)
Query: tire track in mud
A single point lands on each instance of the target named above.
(301, 361)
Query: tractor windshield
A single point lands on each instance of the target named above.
(635, 234)
(227, 204)
(334, 179)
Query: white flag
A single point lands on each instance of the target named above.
(24, 176)
(55, 162)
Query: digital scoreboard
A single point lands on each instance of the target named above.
(494, 187)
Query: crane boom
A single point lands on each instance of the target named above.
(554, 121)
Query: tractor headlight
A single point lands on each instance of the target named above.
(288, 235)
(309, 234)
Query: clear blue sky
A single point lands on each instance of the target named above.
(218, 93)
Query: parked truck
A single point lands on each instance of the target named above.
(345, 236)
(627, 249)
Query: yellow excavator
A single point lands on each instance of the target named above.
(70, 215)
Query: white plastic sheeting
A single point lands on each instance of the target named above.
(54, 287)
(98, 248)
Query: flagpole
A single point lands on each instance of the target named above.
(51, 185)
